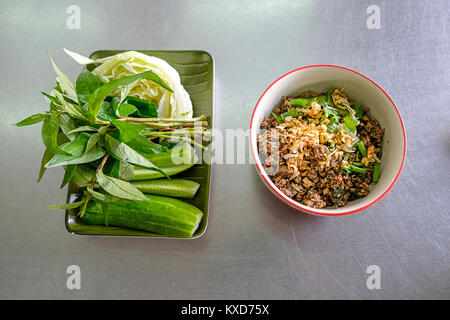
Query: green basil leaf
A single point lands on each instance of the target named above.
(67, 125)
(300, 102)
(330, 97)
(123, 152)
(351, 123)
(64, 83)
(50, 130)
(68, 174)
(122, 170)
(92, 142)
(126, 109)
(86, 84)
(72, 109)
(76, 148)
(82, 128)
(33, 119)
(130, 134)
(53, 102)
(119, 188)
(45, 158)
(145, 109)
(322, 100)
(97, 97)
(102, 196)
(125, 90)
(358, 109)
(72, 205)
(107, 111)
(292, 112)
(278, 118)
(83, 176)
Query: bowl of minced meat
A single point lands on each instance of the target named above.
(324, 152)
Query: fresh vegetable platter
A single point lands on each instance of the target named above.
(131, 133)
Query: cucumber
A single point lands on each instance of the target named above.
(179, 188)
(163, 215)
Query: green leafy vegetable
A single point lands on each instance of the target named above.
(330, 97)
(72, 205)
(33, 119)
(278, 118)
(358, 109)
(130, 133)
(102, 196)
(122, 151)
(351, 123)
(67, 125)
(145, 109)
(64, 83)
(68, 174)
(126, 109)
(86, 84)
(322, 100)
(76, 150)
(50, 130)
(45, 158)
(121, 170)
(119, 188)
(107, 111)
(300, 102)
(99, 95)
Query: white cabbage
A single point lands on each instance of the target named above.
(170, 105)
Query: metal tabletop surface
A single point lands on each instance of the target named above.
(255, 247)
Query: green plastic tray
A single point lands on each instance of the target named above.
(196, 69)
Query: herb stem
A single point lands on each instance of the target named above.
(94, 177)
(179, 138)
(150, 120)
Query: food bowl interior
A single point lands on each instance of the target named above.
(359, 89)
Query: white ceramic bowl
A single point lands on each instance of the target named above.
(358, 87)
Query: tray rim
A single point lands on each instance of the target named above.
(209, 166)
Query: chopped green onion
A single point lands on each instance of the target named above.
(332, 145)
(358, 164)
(358, 169)
(362, 148)
(344, 170)
(346, 156)
(357, 156)
(376, 172)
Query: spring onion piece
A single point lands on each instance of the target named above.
(362, 148)
(358, 169)
(358, 164)
(376, 172)
(346, 156)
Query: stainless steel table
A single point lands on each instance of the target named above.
(255, 247)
